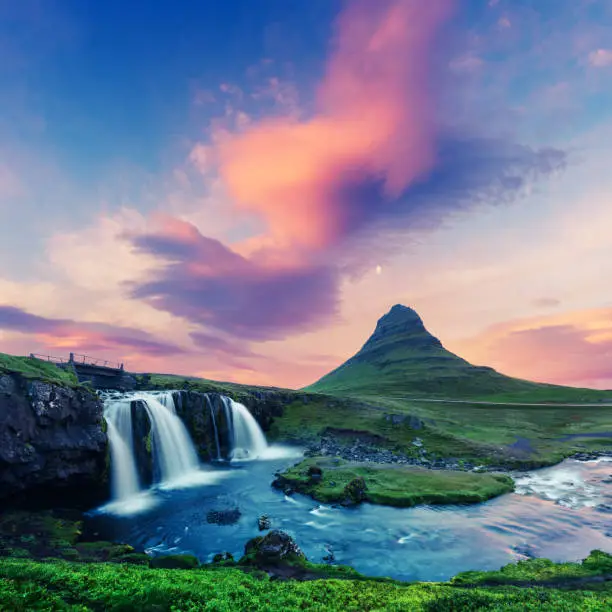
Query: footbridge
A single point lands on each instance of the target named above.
(101, 373)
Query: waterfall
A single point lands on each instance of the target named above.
(173, 450)
(124, 477)
(211, 408)
(174, 454)
(227, 408)
(167, 399)
(248, 440)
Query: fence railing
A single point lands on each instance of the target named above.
(77, 358)
(47, 358)
(87, 360)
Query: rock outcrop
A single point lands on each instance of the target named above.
(53, 444)
(273, 549)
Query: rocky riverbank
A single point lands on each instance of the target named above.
(366, 452)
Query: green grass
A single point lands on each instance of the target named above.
(541, 571)
(60, 585)
(203, 385)
(36, 369)
(403, 359)
(56, 534)
(475, 433)
(393, 485)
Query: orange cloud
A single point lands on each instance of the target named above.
(572, 348)
(373, 121)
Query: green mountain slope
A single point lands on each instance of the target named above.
(401, 358)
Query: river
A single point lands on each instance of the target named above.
(562, 513)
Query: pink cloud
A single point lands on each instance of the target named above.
(568, 348)
(601, 58)
(69, 335)
(374, 118)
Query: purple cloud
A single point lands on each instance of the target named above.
(88, 336)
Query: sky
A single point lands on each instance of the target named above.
(238, 190)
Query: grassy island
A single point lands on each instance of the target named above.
(332, 480)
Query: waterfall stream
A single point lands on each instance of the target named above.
(124, 476)
(171, 450)
(211, 409)
(248, 439)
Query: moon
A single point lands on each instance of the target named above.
(378, 270)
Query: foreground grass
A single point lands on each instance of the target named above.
(36, 369)
(334, 480)
(61, 585)
(543, 571)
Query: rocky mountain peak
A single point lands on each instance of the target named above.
(401, 324)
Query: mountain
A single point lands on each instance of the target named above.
(402, 358)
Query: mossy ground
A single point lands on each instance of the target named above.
(56, 534)
(37, 369)
(61, 585)
(543, 571)
(392, 484)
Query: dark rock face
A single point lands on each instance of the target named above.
(53, 444)
(274, 548)
(402, 322)
(141, 427)
(208, 420)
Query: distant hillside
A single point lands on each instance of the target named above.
(402, 358)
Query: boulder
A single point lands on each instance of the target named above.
(315, 473)
(264, 522)
(275, 548)
(355, 491)
(224, 517)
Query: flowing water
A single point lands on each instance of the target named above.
(561, 513)
(173, 449)
(174, 454)
(248, 440)
(214, 422)
(124, 475)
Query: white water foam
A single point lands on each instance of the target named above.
(248, 439)
(565, 485)
(136, 504)
(173, 450)
(124, 476)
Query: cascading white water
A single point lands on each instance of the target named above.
(248, 439)
(173, 450)
(167, 399)
(124, 476)
(227, 408)
(211, 408)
